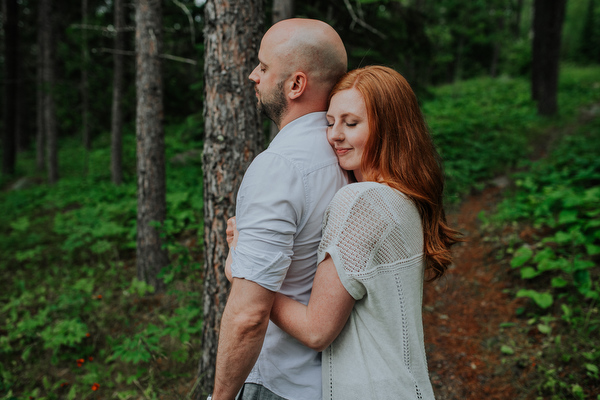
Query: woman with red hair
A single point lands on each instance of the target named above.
(382, 235)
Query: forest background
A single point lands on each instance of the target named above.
(79, 320)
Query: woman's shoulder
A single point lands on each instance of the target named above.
(367, 190)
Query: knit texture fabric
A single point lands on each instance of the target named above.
(374, 236)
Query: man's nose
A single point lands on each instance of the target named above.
(253, 76)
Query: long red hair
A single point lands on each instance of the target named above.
(400, 153)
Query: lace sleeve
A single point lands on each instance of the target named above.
(369, 225)
(353, 228)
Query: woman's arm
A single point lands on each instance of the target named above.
(329, 307)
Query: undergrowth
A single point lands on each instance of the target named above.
(77, 324)
(555, 214)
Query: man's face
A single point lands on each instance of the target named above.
(269, 84)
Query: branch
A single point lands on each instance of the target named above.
(107, 29)
(361, 22)
(190, 20)
(165, 56)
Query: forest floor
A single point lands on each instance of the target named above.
(463, 312)
(472, 311)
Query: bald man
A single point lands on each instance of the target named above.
(280, 207)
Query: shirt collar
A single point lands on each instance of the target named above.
(296, 126)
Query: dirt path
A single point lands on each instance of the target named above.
(463, 312)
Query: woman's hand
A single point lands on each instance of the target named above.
(232, 238)
(232, 232)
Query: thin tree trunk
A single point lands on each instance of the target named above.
(232, 138)
(516, 26)
(11, 30)
(497, 46)
(40, 128)
(282, 9)
(51, 133)
(150, 255)
(547, 28)
(116, 150)
(85, 98)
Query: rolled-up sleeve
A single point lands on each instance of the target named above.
(270, 203)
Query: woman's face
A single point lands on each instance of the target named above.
(348, 129)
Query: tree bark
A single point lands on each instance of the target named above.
(11, 30)
(116, 149)
(50, 128)
(232, 138)
(40, 126)
(547, 28)
(150, 255)
(282, 9)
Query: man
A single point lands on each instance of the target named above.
(280, 208)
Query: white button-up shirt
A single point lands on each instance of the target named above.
(280, 207)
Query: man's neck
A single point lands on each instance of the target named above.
(291, 116)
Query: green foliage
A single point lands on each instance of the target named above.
(72, 302)
(559, 197)
(480, 135)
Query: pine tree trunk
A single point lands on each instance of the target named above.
(51, 133)
(40, 126)
(547, 28)
(9, 144)
(116, 150)
(85, 96)
(232, 138)
(282, 9)
(151, 257)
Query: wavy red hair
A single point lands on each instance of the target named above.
(400, 153)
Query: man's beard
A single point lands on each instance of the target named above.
(273, 106)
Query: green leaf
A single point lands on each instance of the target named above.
(543, 300)
(72, 393)
(521, 256)
(529, 272)
(21, 224)
(579, 264)
(545, 329)
(567, 217)
(562, 237)
(545, 254)
(558, 264)
(592, 368)
(592, 249)
(558, 282)
(507, 349)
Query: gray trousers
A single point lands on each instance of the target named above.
(252, 391)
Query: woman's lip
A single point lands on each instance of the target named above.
(341, 152)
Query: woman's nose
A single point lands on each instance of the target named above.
(336, 133)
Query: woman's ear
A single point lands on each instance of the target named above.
(299, 81)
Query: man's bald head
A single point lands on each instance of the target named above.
(309, 46)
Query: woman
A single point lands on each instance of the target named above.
(380, 236)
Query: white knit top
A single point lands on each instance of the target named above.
(375, 238)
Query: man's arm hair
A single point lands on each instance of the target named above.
(241, 337)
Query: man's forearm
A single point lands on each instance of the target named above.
(242, 333)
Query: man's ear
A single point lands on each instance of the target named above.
(299, 82)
